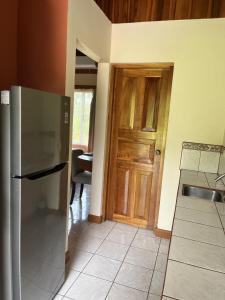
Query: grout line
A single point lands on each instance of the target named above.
(198, 223)
(220, 218)
(170, 297)
(121, 264)
(205, 225)
(198, 267)
(188, 208)
(70, 285)
(154, 269)
(129, 246)
(213, 213)
(81, 272)
(200, 155)
(112, 283)
(198, 241)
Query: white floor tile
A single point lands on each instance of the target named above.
(198, 232)
(79, 259)
(89, 288)
(146, 232)
(102, 267)
(98, 230)
(156, 287)
(223, 220)
(72, 276)
(153, 297)
(147, 243)
(121, 236)
(197, 204)
(198, 254)
(221, 208)
(141, 257)
(126, 227)
(161, 263)
(88, 243)
(164, 246)
(113, 250)
(134, 276)
(188, 282)
(119, 292)
(195, 216)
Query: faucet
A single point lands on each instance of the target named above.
(220, 177)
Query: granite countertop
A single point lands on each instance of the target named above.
(196, 262)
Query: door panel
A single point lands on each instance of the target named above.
(151, 104)
(142, 187)
(126, 119)
(136, 151)
(139, 122)
(122, 195)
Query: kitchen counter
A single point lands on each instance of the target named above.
(196, 262)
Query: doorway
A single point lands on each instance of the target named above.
(83, 136)
(139, 109)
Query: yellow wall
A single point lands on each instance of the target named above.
(197, 48)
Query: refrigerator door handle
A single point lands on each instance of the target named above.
(40, 174)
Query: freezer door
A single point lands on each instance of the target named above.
(39, 232)
(39, 130)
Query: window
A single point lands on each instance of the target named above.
(81, 118)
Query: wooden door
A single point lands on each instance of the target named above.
(140, 105)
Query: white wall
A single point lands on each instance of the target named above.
(197, 49)
(100, 139)
(89, 30)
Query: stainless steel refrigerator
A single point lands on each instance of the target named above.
(34, 136)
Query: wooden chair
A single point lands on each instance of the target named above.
(78, 175)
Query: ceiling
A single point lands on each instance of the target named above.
(126, 11)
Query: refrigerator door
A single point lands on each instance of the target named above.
(5, 245)
(38, 235)
(39, 130)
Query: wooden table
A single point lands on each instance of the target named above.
(85, 162)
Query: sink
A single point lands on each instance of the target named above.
(194, 191)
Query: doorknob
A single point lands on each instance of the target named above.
(157, 152)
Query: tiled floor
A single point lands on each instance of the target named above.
(111, 260)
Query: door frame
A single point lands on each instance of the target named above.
(156, 204)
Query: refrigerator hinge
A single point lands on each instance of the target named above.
(5, 97)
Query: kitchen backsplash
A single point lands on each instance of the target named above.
(203, 157)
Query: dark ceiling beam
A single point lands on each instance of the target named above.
(86, 71)
(125, 11)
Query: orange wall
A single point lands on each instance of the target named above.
(42, 44)
(8, 45)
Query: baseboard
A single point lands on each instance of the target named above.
(165, 234)
(67, 256)
(95, 219)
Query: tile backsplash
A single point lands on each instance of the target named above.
(203, 157)
(222, 164)
(209, 161)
